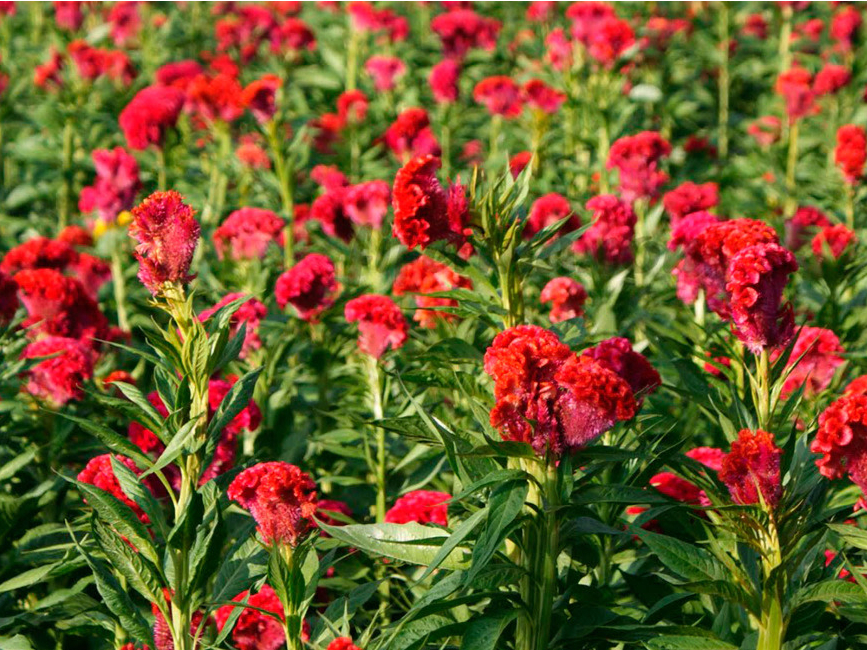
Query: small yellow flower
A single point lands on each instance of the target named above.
(124, 218)
(99, 228)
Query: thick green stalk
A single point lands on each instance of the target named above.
(772, 627)
(785, 38)
(850, 206)
(604, 146)
(763, 399)
(119, 288)
(162, 182)
(66, 190)
(352, 58)
(723, 81)
(285, 179)
(374, 382)
(791, 166)
(494, 127)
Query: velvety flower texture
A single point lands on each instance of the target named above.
(254, 630)
(250, 314)
(751, 470)
(814, 359)
(851, 152)
(637, 158)
(842, 437)
(795, 86)
(755, 280)
(281, 498)
(420, 506)
(58, 379)
(329, 209)
(844, 27)
(616, 354)
(423, 276)
(247, 234)
(688, 198)
(500, 95)
(117, 182)
(410, 135)
(310, 286)
(567, 298)
(609, 238)
(548, 210)
(832, 241)
(366, 204)
(153, 111)
(352, 106)
(443, 80)
(463, 30)
(548, 396)
(519, 162)
(167, 234)
(587, 17)
(804, 219)
(381, 325)
(423, 211)
(99, 473)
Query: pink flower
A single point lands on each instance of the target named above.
(385, 70)
(845, 26)
(751, 471)
(68, 15)
(260, 97)
(609, 237)
(567, 298)
(833, 240)
(851, 152)
(116, 185)
(420, 506)
(309, 286)
(424, 276)
(519, 162)
(795, 87)
(381, 324)
(765, 130)
(463, 30)
(125, 22)
(610, 40)
(410, 135)
(541, 96)
(689, 197)
(366, 204)
(806, 218)
(352, 107)
(814, 359)
(500, 95)
(292, 37)
(248, 233)
(253, 629)
(58, 379)
(558, 50)
(548, 210)
(637, 158)
(329, 209)
(830, 79)
(443, 80)
(250, 314)
(153, 111)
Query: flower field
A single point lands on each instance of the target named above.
(442, 325)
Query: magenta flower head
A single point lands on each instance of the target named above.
(281, 498)
(616, 354)
(420, 506)
(751, 471)
(381, 324)
(167, 234)
(309, 286)
(567, 298)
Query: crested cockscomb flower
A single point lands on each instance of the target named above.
(637, 158)
(342, 643)
(291, 37)
(326, 128)
(609, 237)
(610, 40)
(851, 152)
(328, 177)
(68, 15)
(842, 437)
(443, 80)
(76, 236)
(806, 218)
(248, 233)
(755, 280)
(99, 473)
(310, 286)
(117, 182)
(830, 79)
(587, 17)
(616, 354)
(329, 209)
(814, 359)
(423, 276)
(832, 241)
(795, 86)
(260, 97)
(385, 71)
(567, 298)
(163, 638)
(410, 135)
(558, 49)
(548, 210)
(253, 629)
(844, 27)
(59, 378)
(47, 75)
(424, 212)
(40, 253)
(178, 73)
(548, 396)
(500, 95)
(541, 11)
(688, 198)
(281, 498)
(519, 162)
(152, 112)
(214, 98)
(125, 22)
(689, 227)
(381, 325)
(463, 30)
(167, 234)
(540, 96)
(251, 155)
(420, 506)
(751, 470)
(766, 130)
(352, 106)
(366, 204)
(249, 314)
(756, 26)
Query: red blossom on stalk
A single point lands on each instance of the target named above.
(410, 135)
(637, 158)
(587, 18)
(688, 198)
(125, 22)
(352, 106)
(163, 639)
(215, 98)
(500, 95)
(842, 437)
(328, 177)
(420, 506)
(59, 378)
(281, 498)
(381, 325)
(609, 237)
(424, 276)
(751, 470)
(548, 210)
(443, 80)
(260, 97)
(152, 112)
(342, 643)
(68, 15)
(99, 473)
(464, 30)
(541, 11)
(616, 354)
(567, 298)
(830, 79)
(250, 314)
(795, 86)
(310, 286)
(558, 50)
(844, 27)
(248, 233)
(291, 37)
(329, 209)
(253, 629)
(814, 359)
(851, 152)
(610, 40)
(167, 234)
(178, 73)
(47, 75)
(805, 219)
(833, 241)
(540, 96)
(766, 130)
(366, 204)
(680, 489)
(115, 187)
(385, 71)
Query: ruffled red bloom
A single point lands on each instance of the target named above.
(381, 325)
(616, 354)
(424, 212)
(99, 473)
(609, 237)
(167, 233)
(152, 111)
(59, 379)
(328, 177)
(756, 26)
(424, 276)
(609, 40)
(751, 471)
(637, 158)
(519, 162)
(352, 107)
(755, 280)
(558, 50)
(548, 210)
(178, 73)
(815, 357)
(116, 185)
(443, 80)
(248, 233)
(689, 227)
(548, 396)
(292, 36)
(851, 152)
(410, 135)
(342, 643)
(212, 98)
(830, 79)
(587, 18)
(39, 253)
(250, 314)
(795, 87)
(254, 630)
(125, 23)
(366, 204)
(541, 96)
(688, 198)
(834, 240)
(76, 236)
(385, 70)
(842, 437)
(766, 130)
(310, 286)
(68, 15)
(463, 30)
(567, 298)
(805, 219)
(420, 506)
(47, 75)
(260, 97)
(500, 95)
(252, 155)
(281, 498)
(541, 11)
(844, 27)
(329, 209)
(92, 63)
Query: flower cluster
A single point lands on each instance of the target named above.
(567, 298)
(637, 158)
(309, 286)
(425, 276)
(751, 470)
(420, 506)
(381, 324)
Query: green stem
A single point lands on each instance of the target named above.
(119, 288)
(162, 182)
(772, 627)
(604, 146)
(66, 190)
(374, 382)
(764, 389)
(785, 39)
(352, 58)
(723, 81)
(850, 206)
(494, 135)
(791, 166)
(285, 179)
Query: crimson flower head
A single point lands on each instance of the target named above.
(558, 49)
(610, 40)
(352, 106)
(609, 238)
(637, 158)
(814, 360)
(385, 71)
(380, 323)
(519, 162)
(167, 233)
(500, 95)
(443, 80)
(58, 379)
(342, 643)
(851, 152)
(463, 30)
(830, 79)
(766, 130)
(292, 37)
(689, 227)
(542, 97)
(548, 210)
(329, 209)
(680, 489)
(755, 280)
(68, 15)
(587, 18)
(424, 276)
(567, 298)
(260, 97)
(178, 73)
(310, 286)
(250, 314)
(420, 506)
(99, 473)
(247, 233)
(281, 498)
(833, 240)
(688, 198)
(212, 98)
(366, 204)
(152, 112)
(844, 27)
(806, 218)
(410, 135)
(255, 630)
(751, 470)
(795, 85)
(616, 354)
(548, 396)
(117, 182)
(424, 212)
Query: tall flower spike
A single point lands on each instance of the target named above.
(310, 286)
(751, 471)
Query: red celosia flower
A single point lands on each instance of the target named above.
(178, 73)
(616, 354)
(421, 506)
(92, 63)
(291, 37)
(116, 376)
(424, 276)
(500, 95)
(814, 359)
(548, 210)
(385, 70)
(117, 182)
(842, 437)
(8, 298)
(254, 630)
(68, 15)
(260, 97)
(851, 152)
(352, 107)
(423, 211)
(92, 272)
(309, 286)
(47, 75)
(689, 227)
(125, 22)
(281, 498)
(844, 27)
(699, 144)
(558, 50)
(40, 253)
(163, 639)
(75, 236)
(688, 198)
(153, 111)
(342, 643)
(252, 155)
(212, 98)
(541, 96)
(58, 379)
(410, 135)
(463, 30)
(834, 240)
(755, 280)
(795, 87)
(609, 40)
(380, 323)
(248, 233)
(250, 314)
(766, 130)
(519, 162)
(805, 218)
(587, 18)
(99, 473)
(756, 26)
(328, 177)
(637, 158)
(443, 80)
(830, 79)
(751, 471)
(548, 396)
(609, 237)
(167, 233)
(567, 298)
(329, 209)
(682, 490)
(541, 11)
(366, 204)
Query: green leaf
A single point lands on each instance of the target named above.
(686, 560)
(829, 591)
(176, 446)
(244, 564)
(140, 494)
(505, 504)
(134, 395)
(140, 574)
(851, 535)
(683, 642)
(459, 535)
(115, 442)
(484, 632)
